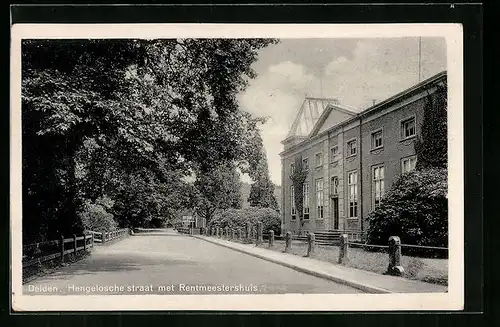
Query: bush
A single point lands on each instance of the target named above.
(415, 209)
(95, 216)
(238, 218)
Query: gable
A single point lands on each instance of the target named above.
(308, 115)
(332, 116)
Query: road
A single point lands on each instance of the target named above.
(170, 263)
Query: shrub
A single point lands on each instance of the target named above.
(238, 218)
(95, 216)
(415, 209)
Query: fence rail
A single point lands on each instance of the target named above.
(38, 253)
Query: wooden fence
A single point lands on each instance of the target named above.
(105, 237)
(37, 253)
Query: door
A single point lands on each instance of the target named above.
(335, 213)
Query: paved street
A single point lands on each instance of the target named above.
(169, 263)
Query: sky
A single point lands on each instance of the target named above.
(354, 71)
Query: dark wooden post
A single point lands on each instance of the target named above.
(84, 242)
(343, 248)
(227, 232)
(395, 267)
(75, 245)
(62, 248)
(218, 232)
(311, 244)
(271, 238)
(288, 241)
(248, 231)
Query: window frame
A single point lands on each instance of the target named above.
(334, 188)
(348, 142)
(408, 158)
(316, 156)
(334, 156)
(304, 166)
(306, 204)
(293, 208)
(372, 140)
(374, 185)
(320, 200)
(355, 197)
(404, 120)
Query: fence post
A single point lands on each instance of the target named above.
(93, 239)
(62, 248)
(288, 241)
(248, 231)
(311, 243)
(259, 238)
(343, 248)
(271, 238)
(395, 267)
(227, 232)
(75, 245)
(84, 242)
(218, 232)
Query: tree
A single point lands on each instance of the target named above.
(150, 109)
(432, 146)
(298, 178)
(415, 209)
(217, 189)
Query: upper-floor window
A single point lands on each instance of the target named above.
(377, 185)
(408, 128)
(305, 163)
(320, 198)
(352, 179)
(408, 164)
(292, 201)
(351, 148)
(377, 139)
(334, 152)
(335, 185)
(305, 190)
(319, 159)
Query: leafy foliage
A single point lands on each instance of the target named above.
(298, 177)
(432, 146)
(95, 216)
(126, 119)
(415, 209)
(238, 218)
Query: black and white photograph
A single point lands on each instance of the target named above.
(251, 167)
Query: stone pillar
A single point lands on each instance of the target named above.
(343, 248)
(233, 234)
(240, 234)
(218, 232)
(227, 232)
(271, 238)
(395, 267)
(288, 241)
(311, 244)
(259, 237)
(248, 231)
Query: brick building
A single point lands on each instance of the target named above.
(352, 157)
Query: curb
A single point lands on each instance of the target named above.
(343, 281)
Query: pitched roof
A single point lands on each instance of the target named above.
(310, 113)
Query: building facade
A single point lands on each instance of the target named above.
(351, 157)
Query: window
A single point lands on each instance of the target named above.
(408, 128)
(351, 148)
(334, 152)
(378, 185)
(408, 164)
(292, 168)
(335, 185)
(305, 164)
(320, 198)
(319, 159)
(377, 139)
(292, 202)
(305, 189)
(352, 178)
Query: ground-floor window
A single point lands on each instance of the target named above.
(352, 179)
(292, 203)
(320, 198)
(305, 189)
(377, 185)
